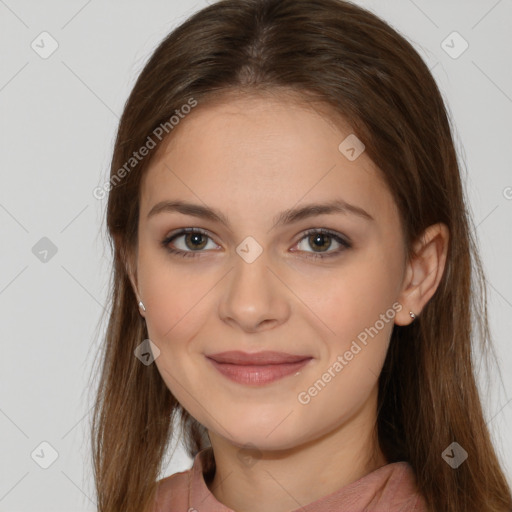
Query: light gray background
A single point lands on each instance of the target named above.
(57, 126)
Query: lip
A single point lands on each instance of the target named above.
(258, 368)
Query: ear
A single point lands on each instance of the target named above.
(131, 270)
(424, 271)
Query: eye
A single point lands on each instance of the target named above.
(322, 239)
(194, 240)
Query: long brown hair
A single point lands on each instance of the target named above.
(363, 70)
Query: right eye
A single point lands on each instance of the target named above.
(194, 240)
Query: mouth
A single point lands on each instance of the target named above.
(258, 368)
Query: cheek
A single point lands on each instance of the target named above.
(335, 397)
(178, 303)
(347, 301)
(173, 295)
(174, 318)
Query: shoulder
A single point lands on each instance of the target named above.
(401, 488)
(391, 487)
(172, 492)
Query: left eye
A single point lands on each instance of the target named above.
(322, 239)
(195, 240)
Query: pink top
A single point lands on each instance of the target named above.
(391, 488)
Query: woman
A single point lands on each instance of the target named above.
(294, 275)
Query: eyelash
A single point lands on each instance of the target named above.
(191, 254)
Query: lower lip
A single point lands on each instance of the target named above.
(258, 374)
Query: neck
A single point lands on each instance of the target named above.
(284, 480)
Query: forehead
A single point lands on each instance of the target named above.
(257, 151)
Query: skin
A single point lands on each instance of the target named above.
(251, 158)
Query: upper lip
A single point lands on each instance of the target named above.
(255, 358)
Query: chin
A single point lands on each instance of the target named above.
(271, 434)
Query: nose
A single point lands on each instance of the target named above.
(253, 297)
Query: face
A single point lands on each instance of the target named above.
(322, 285)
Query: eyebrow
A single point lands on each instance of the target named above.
(286, 217)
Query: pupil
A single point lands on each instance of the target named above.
(196, 238)
(320, 237)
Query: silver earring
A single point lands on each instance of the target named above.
(141, 306)
(412, 315)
